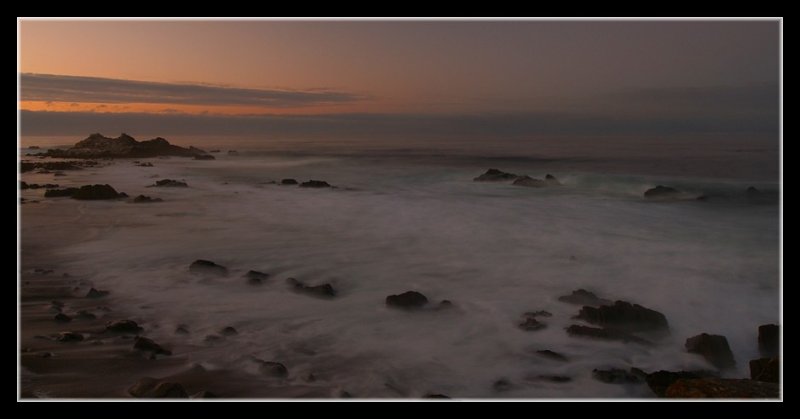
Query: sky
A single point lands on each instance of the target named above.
(487, 79)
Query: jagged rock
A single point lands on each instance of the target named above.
(124, 146)
(616, 376)
(662, 193)
(123, 326)
(148, 345)
(96, 192)
(170, 183)
(769, 339)
(495, 175)
(407, 300)
(58, 193)
(624, 316)
(659, 381)
(61, 317)
(605, 334)
(584, 298)
(272, 369)
(288, 182)
(529, 182)
(95, 293)
(765, 369)
(69, 337)
(315, 184)
(714, 348)
(201, 266)
(144, 199)
(722, 388)
(552, 355)
(256, 277)
(324, 290)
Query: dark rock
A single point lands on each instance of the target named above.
(170, 183)
(256, 277)
(722, 388)
(144, 199)
(204, 394)
(151, 388)
(624, 316)
(540, 313)
(714, 348)
(148, 345)
(529, 182)
(765, 369)
(23, 185)
(182, 330)
(315, 184)
(494, 175)
(46, 167)
(272, 369)
(95, 293)
(214, 151)
(123, 326)
(435, 396)
(530, 324)
(407, 300)
(552, 355)
(324, 290)
(124, 146)
(201, 266)
(769, 339)
(229, 331)
(96, 192)
(69, 337)
(659, 381)
(445, 305)
(662, 192)
(145, 164)
(213, 338)
(61, 317)
(605, 334)
(345, 395)
(616, 376)
(288, 182)
(58, 193)
(551, 180)
(556, 378)
(502, 385)
(584, 298)
(204, 157)
(86, 315)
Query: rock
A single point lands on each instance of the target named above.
(124, 146)
(204, 394)
(605, 334)
(765, 369)
(182, 330)
(551, 180)
(256, 277)
(170, 183)
(324, 290)
(123, 326)
(315, 184)
(624, 316)
(45, 354)
(407, 300)
(144, 199)
(214, 151)
(96, 192)
(46, 167)
(204, 157)
(229, 331)
(95, 293)
(58, 193)
(63, 318)
(662, 193)
(769, 339)
(494, 175)
(529, 182)
(145, 164)
(288, 182)
(556, 378)
(23, 185)
(151, 388)
(552, 355)
(272, 369)
(584, 298)
(714, 348)
(529, 324)
(86, 315)
(148, 345)
(659, 381)
(722, 388)
(540, 313)
(212, 338)
(435, 396)
(207, 267)
(69, 337)
(34, 147)
(445, 305)
(616, 376)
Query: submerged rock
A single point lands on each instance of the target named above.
(315, 184)
(256, 277)
(58, 193)
(207, 267)
(769, 339)
(69, 337)
(229, 331)
(170, 183)
(529, 324)
(662, 193)
(123, 326)
(148, 345)
(605, 334)
(87, 315)
(714, 348)
(765, 369)
(63, 318)
(324, 290)
(96, 192)
(407, 300)
(23, 185)
(144, 199)
(722, 388)
(495, 175)
(182, 329)
(288, 182)
(584, 298)
(624, 316)
(529, 182)
(556, 378)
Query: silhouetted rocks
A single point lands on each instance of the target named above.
(315, 184)
(272, 369)
(617, 376)
(59, 193)
(605, 334)
(552, 355)
(207, 267)
(769, 339)
(63, 318)
(288, 182)
(256, 277)
(124, 146)
(229, 331)
(551, 180)
(624, 316)
(69, 337)
(407, 300)
(584, 298)
(95, 293)
(47, 166)
(529, 182)
(151, 388)
(714, 348)
(495, 175)
(721, 388)
(170, 183)
(529, 321)
(659, 381)
(204, 157)
(123, 326)
(148, 345)
(23, 185)
(765, 369)
(97, 192)
(662, 193)
(324, 290)
(144, 199)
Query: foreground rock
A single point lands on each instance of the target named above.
(584, 298)
(769, 339)
(151, 388)
(765, 369)
(407, 300)
(714, 348)
(662, 193)
(324, 290)
(494, 175)
(46, 167)
(624, 316)
(315, 184)
(207, 267)
(144, 199)
(722, 388)
(97, 192)
(170, 183)
(659, 381)
(124, 146)
(148, 345)
(605, 334)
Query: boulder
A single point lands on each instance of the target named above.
(605, 334)
(315, 184)
(722, 388)
(144, 199)
(495, 175)
(324, 290)
(123, 326)
(272, 369)
(714, 348)
(58, 193)
(207, 267)
(148, 345)
(765, 369)
(662, 193)
(96, 192)
(288, 182)
(256, 277)
(529, 182)
(229, 331)
(170, 183)
(616, 376)
(407, 300)
(584, 298)
(769, 339)
(624, 316)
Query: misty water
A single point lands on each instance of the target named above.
(405, 220)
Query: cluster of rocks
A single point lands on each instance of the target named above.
(86, 192)
(47, 166)
(124, 146)
(496, 175)
(24, 185)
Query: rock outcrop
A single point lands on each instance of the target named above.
(315, 184)
(624, 316)
(584, 298)
(714, 348)
(765, 369)
(323, 290)
(207, 267)
(661, 192)
(769, 339)
(407, 300)
(170, 183)
(97, 192)
(124, 146)
(495, 175)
